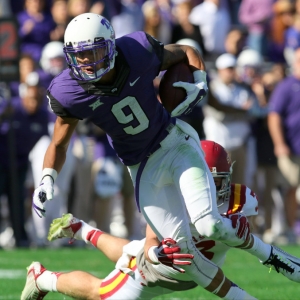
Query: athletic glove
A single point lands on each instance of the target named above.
(167, 253)
(195, 93)
(44, 191)
(241, 224)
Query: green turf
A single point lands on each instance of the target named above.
(241, 267)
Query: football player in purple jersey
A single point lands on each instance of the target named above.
(110, 81)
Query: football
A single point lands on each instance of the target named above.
(171, 96)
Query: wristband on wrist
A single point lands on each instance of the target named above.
(49, 172)
(152, 255)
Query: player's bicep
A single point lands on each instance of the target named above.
(173, 54)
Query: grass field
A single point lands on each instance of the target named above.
(242, 268)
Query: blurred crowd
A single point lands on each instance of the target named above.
(252, 54)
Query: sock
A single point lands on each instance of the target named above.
(236, 293)
(88, 233)
(46, 282)
(93, 237)
(260, 249)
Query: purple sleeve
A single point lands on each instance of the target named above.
(279, 98)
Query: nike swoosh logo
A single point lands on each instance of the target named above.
(133, 83)
(187, 137)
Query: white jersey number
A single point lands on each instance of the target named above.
(137, 113)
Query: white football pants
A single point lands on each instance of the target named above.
(176, 187)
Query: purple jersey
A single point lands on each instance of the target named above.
(127, 110)
(285, 102)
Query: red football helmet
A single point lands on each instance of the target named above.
(220, 165)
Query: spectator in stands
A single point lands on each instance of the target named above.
(213, 27)
(35, 27)
(249, 70)
(59, 12)
(166, 8)
(292, 40)
(235, 41)
(21, 127)
(267, 178)
(26, 65)
(183, 28)
(155, 25)
(256, 15)
(284, 127)
(282, 19)
(5, 8)
(228, 121)
(52, 62)
(77, 7)
(129, 19)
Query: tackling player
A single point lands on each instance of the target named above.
(135, 275)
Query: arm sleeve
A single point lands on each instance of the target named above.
(58, 109)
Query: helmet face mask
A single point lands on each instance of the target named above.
(223, 188)
(90, 46)
(220, 165)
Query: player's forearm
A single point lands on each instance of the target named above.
(54, 157)
(56, 153)
(151, 240)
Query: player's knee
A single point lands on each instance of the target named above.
(202, 270)
(211, 226)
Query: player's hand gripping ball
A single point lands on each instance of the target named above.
(171, 96)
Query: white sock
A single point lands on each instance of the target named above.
(47, 281)
(236, 293)
(260, 249)
(84, 232)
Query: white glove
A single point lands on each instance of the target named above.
(195, 93)
(44, 191)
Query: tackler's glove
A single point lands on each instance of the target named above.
(44, 191)
(241, 225)
(168, 253)
(195, 93)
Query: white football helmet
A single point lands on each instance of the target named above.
(51, 51)
(249, 64)
(90, 32)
